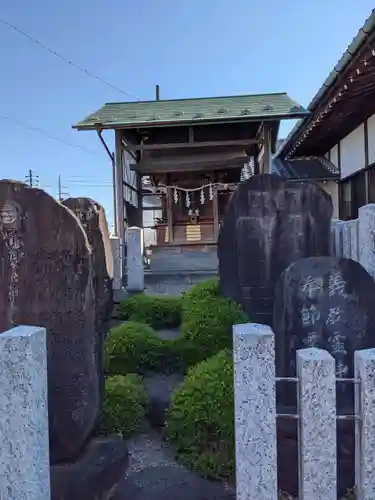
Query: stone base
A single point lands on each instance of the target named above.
(96, 473)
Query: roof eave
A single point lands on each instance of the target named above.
(343, 63)
(246, 118)
(315, 179)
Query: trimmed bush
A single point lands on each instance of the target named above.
(200, 421)
(156, 311)
(135, 348)
(132, 348)
(207, 288)
(124, 405)
(207, 327)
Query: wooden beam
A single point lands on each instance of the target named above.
(170, 214)
(188, 145)
(191, 135)
(148, 168)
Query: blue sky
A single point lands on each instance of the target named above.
(191, 49)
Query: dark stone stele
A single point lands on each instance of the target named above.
(328, 303)
(323, 302)
(269, 224)
(46, 280)
(93, 219)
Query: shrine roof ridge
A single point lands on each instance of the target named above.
(169, 112)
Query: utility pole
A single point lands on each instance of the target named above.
(31, 179)
(61, 194)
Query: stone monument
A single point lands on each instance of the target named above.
(46, 279)
(269, 224)
(324, 302)
(328, 303)
(94, 221)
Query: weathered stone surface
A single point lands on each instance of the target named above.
(93, 219)
(354, 239)
(336, 237)
(255, 411)
(269, 224)
(366, 236)
(135, 263)
(317, 411)
(364, 365)
(117, 262)
(46, 280)
(346, 241)
(24, 449)
(95, 474)
(287, 454)
(327, 303)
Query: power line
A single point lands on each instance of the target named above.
(68, 61)
(41, 131)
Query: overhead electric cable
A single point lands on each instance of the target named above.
(46, 134)
(67, 61)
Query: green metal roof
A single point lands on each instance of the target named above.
(179, 111)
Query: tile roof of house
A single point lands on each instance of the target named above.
(310, 168)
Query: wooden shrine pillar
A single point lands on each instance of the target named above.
(265, 155)
(215, 208)
(170, 215)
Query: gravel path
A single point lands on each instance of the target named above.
(168, 333)
(148, 449)
(154, 474)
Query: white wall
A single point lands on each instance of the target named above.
(334, 155)
(352, 152)
(371, 139)
(352, 149)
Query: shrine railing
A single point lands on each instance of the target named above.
(316, 416)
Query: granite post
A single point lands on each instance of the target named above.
(338, 245)
(367, 238)
(354, 243)
(24, 450)
(117, 262)
(364, 366)
(334, 223)
(317, 419)
(346, 244)
(255, 412)
(135, 265)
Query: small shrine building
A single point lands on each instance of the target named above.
(177, 161)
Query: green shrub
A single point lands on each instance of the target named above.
(207, 327)
(156, 311)
(124, 405)
(207, 288)
(135, 348)
(132, 348)
(201, 418)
